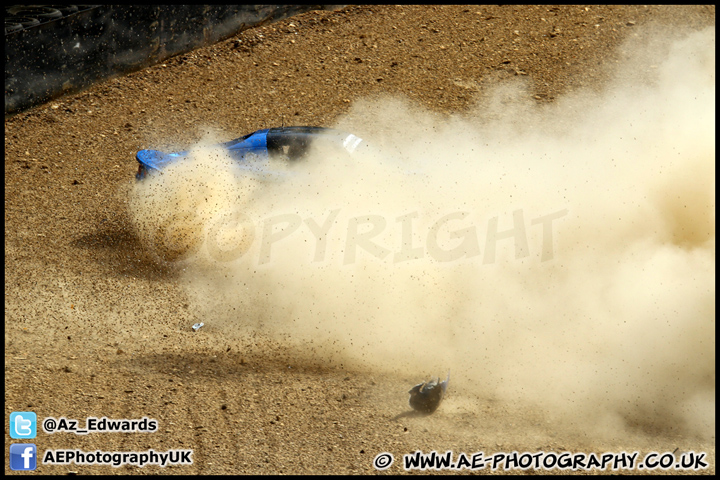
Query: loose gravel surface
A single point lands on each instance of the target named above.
(95, 327)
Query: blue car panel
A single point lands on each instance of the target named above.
(292, 142)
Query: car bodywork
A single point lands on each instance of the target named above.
(291, 142)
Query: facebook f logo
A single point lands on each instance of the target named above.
(23, 456)
(23, 425)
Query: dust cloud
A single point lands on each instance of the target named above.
(560, 255)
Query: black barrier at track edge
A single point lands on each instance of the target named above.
(96, 42)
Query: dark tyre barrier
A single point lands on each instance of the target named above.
(51, 50)
(43, 14)
(26, 22)
(12, 27)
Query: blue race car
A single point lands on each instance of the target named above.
(291, 142)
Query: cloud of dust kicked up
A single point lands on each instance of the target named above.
(586, 232)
